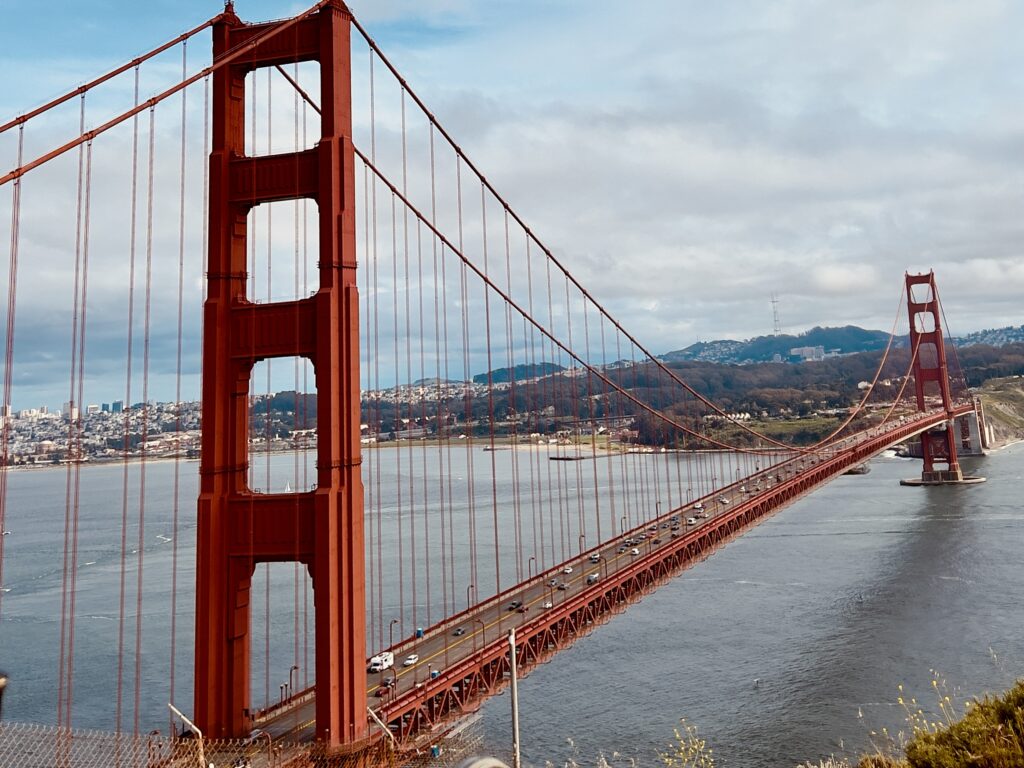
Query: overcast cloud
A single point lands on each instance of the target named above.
(688, 159)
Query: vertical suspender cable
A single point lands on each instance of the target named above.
(67, 580)
(268, 413)
(513, 410)
(12, 293)
(126, 411)
(408, 370)
(177, 380)
(490, 390)
(396, 425)
(370, 457)
(378, 510)
(447, 574)
(145, 419)
(425, 503)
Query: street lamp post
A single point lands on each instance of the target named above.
(294, 668)
(622, 524)
(483, 635)
(391, 633)
(583, 541)
(529, 566)
(468, 588)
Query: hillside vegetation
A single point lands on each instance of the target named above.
(1003, 400)
(989, 735)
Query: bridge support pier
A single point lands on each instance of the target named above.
(931, 380)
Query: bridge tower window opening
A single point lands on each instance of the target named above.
(279, 118)
(282, 247)
(283, 649)
(282, 426)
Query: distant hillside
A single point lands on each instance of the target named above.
(519, 373)
(997, 337)
(763, 349)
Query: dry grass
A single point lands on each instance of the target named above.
(688, 750)
(985, 733)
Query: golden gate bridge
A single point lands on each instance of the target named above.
(298, 195)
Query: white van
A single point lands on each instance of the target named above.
(595, 558)
(380, 662)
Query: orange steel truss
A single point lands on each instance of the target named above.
(323, 528)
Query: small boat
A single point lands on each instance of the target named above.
(860, 469)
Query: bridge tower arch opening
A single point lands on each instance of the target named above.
(321, 528)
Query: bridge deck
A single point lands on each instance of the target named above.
(464, 659)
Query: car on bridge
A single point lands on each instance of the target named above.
(567, 569)
(634, 551)
(411, 659)
(380, 662)
(691, 521)
(459, 631)
(515, 605)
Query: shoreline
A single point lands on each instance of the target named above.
(583, 451)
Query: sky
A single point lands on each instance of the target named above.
(687, 160)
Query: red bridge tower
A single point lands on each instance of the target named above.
(323, 528)
(931, 379)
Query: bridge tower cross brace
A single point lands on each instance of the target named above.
(322, 528)
(930, 368)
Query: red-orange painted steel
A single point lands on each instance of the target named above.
(323, 528)
(930, 367)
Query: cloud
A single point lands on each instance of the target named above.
(684, 160)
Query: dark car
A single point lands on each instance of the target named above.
(523, 608)
(562, 587)
(459, 632)
(514, 605)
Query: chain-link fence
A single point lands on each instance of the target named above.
(40, 746)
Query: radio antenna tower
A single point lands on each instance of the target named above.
(775, 315)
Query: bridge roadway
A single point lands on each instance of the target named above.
(465, 658)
